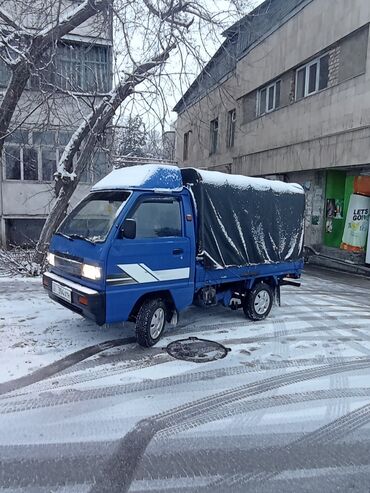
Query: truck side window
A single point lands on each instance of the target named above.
(157, 218)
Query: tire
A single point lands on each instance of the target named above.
(258, 302)
(150, 322)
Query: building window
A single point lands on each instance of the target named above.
(21, 163)
(231, 123)
(34, 156)
(312, 77)
(23, 232)
(185, 153)
(214, 136)
(49, 164)
(269, 98)
(83, 68)
(73, 67)
(30, 164)
(12, 163)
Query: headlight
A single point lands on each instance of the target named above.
(50, 257)
(91, 272)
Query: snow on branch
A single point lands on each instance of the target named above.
(169, 15)
(73, 18)
(9, 21)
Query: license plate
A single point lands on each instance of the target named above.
(61, 291)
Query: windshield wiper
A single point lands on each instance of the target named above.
(65, 236)
(73, 236)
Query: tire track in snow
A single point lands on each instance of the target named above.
(147, 362)
(57, 366)
(327, 434)
(70, 396)
(265, 403)
(47, 466)
(117, 479)
(339, 407)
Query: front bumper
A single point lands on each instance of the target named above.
(93, 305)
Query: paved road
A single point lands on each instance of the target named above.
(287, 410)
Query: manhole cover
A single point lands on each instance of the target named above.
(197, 350)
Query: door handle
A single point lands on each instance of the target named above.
(178, 251)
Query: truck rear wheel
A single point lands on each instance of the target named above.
(150, 322)
(258, 302)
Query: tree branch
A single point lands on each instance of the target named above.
(170, 14)
(73, 19)
(9, 20)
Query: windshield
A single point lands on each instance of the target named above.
(93, 218)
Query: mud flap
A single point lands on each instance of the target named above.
(277, 295)
(175, 318)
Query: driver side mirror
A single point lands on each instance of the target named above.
(128, 229)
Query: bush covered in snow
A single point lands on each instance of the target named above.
(19, 261)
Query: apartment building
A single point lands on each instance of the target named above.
(56, 99)
(287, 96)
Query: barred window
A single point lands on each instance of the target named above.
(74, 67)
(83, 68)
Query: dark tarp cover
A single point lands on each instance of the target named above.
(244, 221)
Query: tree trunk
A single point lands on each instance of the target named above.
(53, 220)
(60, 206)
(17, 84)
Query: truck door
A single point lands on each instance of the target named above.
(158, 258)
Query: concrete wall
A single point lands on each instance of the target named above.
(327, 129)
(314, 184)
(34, 198)
(22, 200)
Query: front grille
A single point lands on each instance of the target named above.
(72, 267)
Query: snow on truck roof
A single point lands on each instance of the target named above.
(170, 178)
(143, 177)
(241, 181)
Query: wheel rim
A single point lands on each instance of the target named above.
(262, 302)
(157, 322)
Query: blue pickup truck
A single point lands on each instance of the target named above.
(150, 240)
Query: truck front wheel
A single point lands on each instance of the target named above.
(258, 302)
(150, 322)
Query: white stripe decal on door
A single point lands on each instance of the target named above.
(138, 273)
(142, 273)
(172, 274)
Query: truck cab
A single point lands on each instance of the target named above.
(120, 247)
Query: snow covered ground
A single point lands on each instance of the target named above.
(287, 410)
